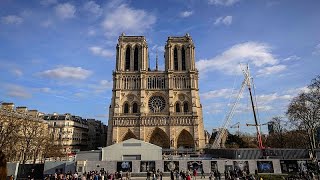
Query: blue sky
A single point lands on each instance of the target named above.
(58, 56)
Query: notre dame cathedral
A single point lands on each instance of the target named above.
(160, 107)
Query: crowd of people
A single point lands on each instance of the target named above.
(91, 175)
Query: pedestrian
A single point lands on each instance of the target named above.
(148, 175)
(171, 175)
(188, 177)
(161, 174)
(202, 173)
(195, 174)
(177, 174)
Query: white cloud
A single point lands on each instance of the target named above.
(102, 86)
(223, 2)
(12, 19)
(48, 2)
(257, 54)
(126, 19)
(224, 93)
(47, 23)
(157, 48)
(214, 108)
(296, 91)
(99, 51)
(185, 14)
(17, 72)
(93, 8)
(17, 91)
(271, 70)
(79, 94)
(316, 50)
(65, 11)
(226, 20)
(269, 98)
(92, 32)
(292, 58)
(76, 73)
(45, 90)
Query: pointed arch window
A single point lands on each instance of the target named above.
(135, 59)
(128, 58)
(177, 107)
(175, 58)
(134, 108)
(185, 107)
(183, 58)
(126, 108)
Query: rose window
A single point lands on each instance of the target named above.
(157, 104)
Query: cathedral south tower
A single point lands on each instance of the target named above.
(159, 107)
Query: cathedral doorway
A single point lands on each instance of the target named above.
(129, 135)
(160, 138)
(185, 140)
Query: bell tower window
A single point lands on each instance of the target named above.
(183, 59)
(128, 58)
(185, 107)
(175, 58)
(135, 108)
(126, 108)
(135, 59)
(177, 107)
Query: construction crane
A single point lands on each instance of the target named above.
(246, 82)
(238, 125)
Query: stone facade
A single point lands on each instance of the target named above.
(68, 130)
(97, 134)
(160, 107)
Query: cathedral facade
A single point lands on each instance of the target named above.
(160, 107)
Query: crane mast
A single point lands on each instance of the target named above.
(222, 130)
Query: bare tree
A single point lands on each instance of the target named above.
(32, 133)
(276, 137)
(304, 112)
(10, 124)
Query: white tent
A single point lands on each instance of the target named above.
(132, 149)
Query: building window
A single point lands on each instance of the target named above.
(175, 58)
(183, 58)
(126, 108)
(185, 107)
(128, 58)
(135, 108)
(157, 104)
(135, 63)
(177, 107)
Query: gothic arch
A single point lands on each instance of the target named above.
(127, 58)
(185, 140)
(186, 106)
(136, 58)
(183, 58)
(160, 138)
(135, 107)
(175, 58)
(177, 107)
(126, 108)
(129, 135)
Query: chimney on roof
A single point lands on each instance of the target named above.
(22, 109)
(7, 106)
(33, 113)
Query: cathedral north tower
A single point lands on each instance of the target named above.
(160, 107)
